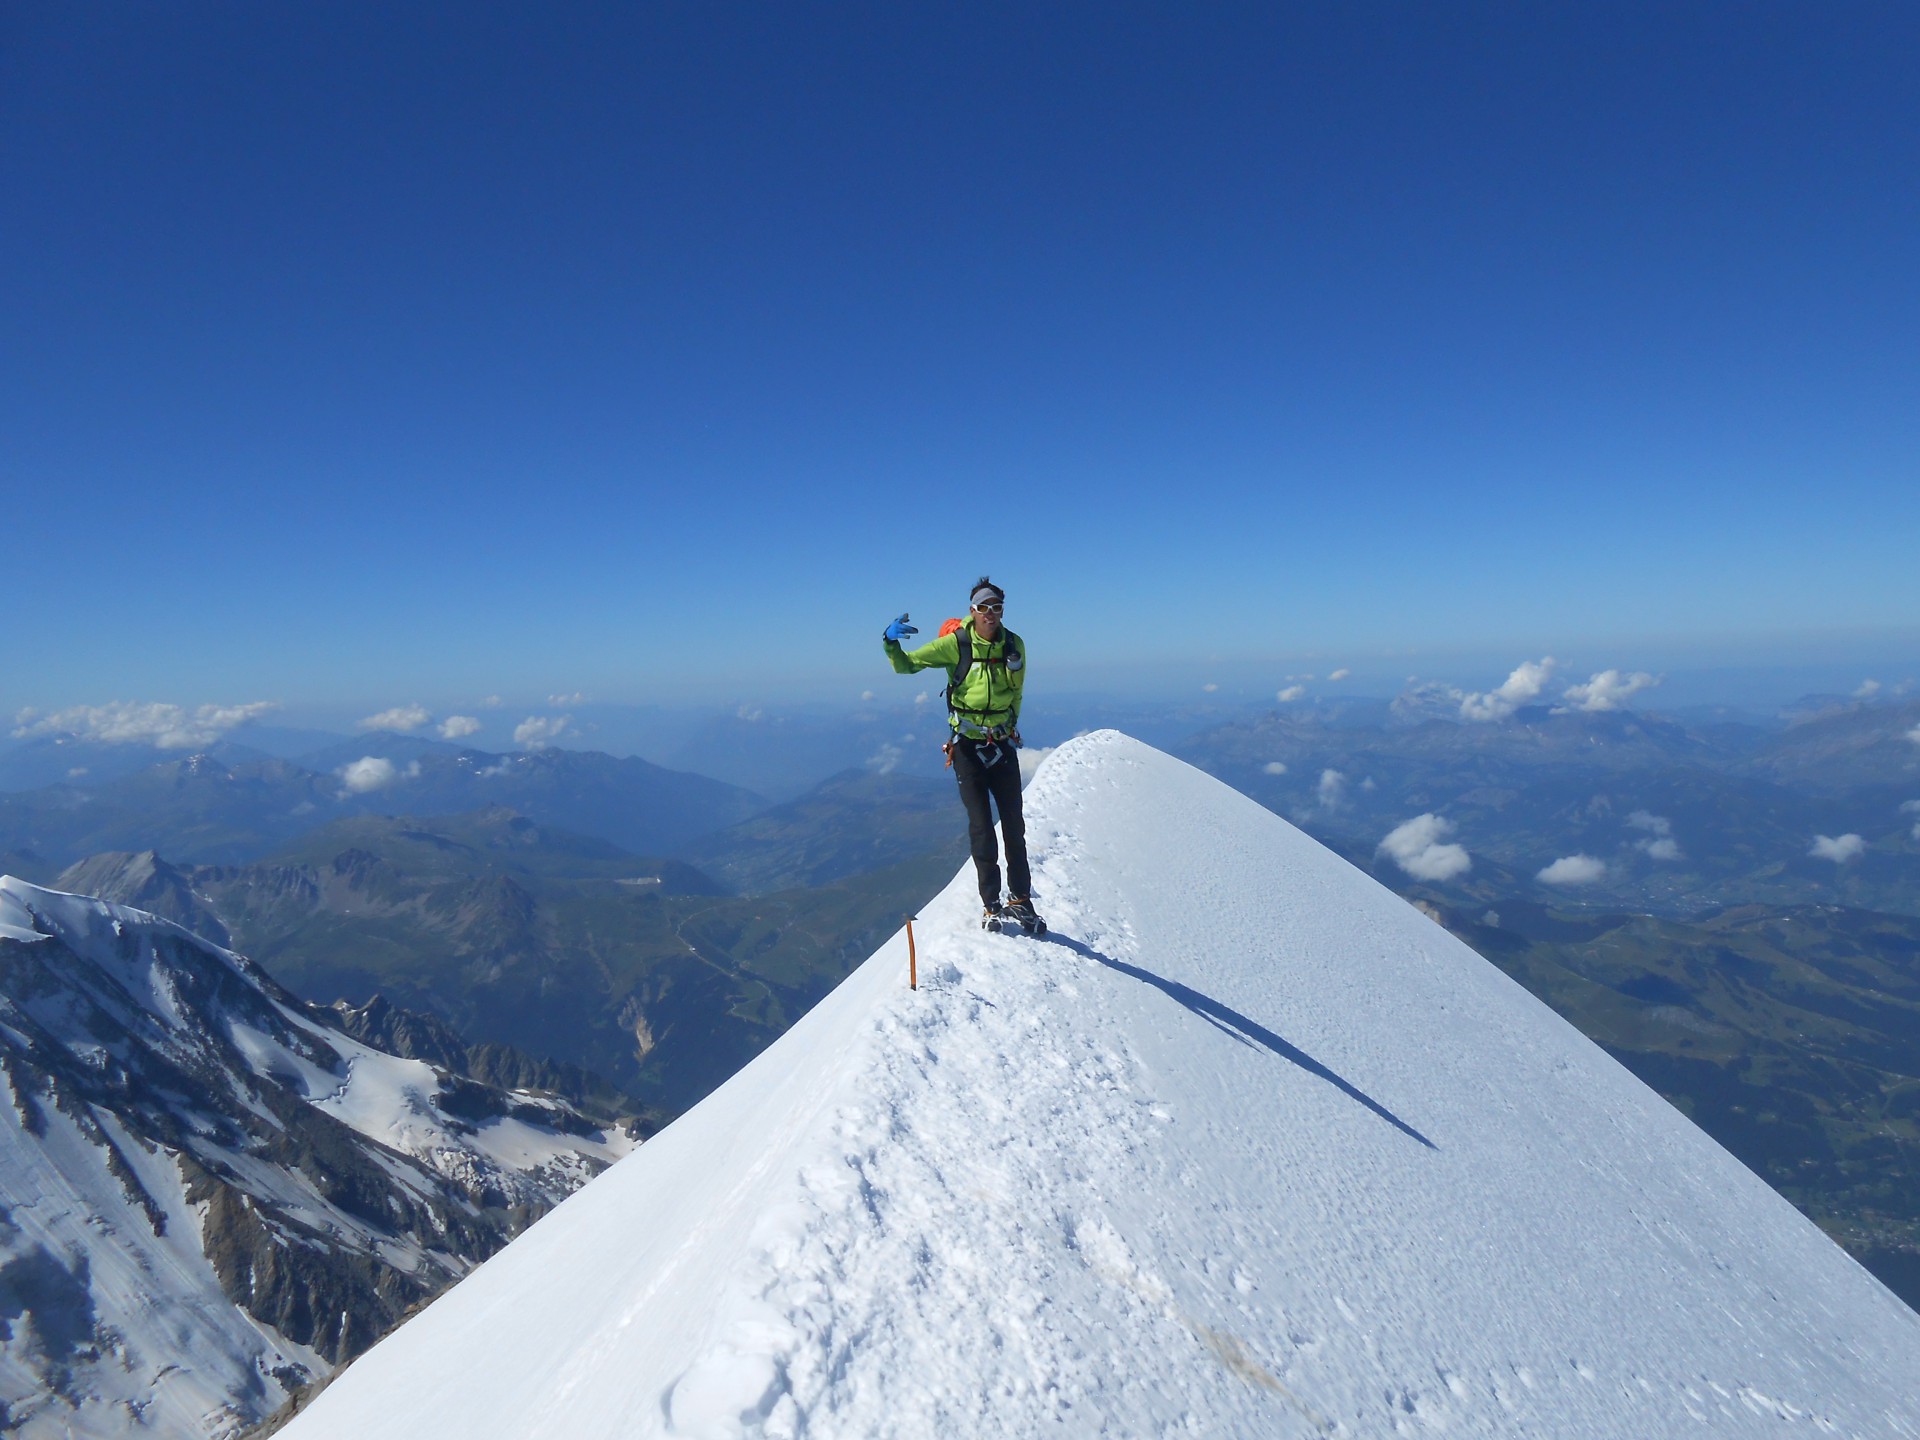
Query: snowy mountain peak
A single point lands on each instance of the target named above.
(1249, 1147)
(216, 1192)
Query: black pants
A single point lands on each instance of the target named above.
(984, 768)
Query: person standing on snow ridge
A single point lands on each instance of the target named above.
(986, 666)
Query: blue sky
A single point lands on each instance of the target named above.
(360, 353)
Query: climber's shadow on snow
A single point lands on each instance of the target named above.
(1246, 1031)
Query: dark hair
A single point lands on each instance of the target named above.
(983, 583)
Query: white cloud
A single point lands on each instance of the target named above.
(374, 772)
(1275, 767)
(886, 759)
(866, 695)
(1340, 674)
(1837, 848)
(1526, 682)
(1660, 845)
(1914, 734)
(1030, 761)
(923, 699)
(1333, 789)
(536, 732)
(167, 727)
(1210, 687)
(458, 727)
(1608, 690)
(1291, 694)
(1417, 847)
(404, 718)
(492, 702)
(752, 714)
(1573, 870)
(560, 702)
(1912, 807)
(1866, 690)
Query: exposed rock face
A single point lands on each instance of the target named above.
(146, 882)
(216, 1192)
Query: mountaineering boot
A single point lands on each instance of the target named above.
(1019, 909)
(993, 916)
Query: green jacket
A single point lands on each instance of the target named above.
(988, 699)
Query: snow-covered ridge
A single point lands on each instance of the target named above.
(212, 1194)
(1250, 1148)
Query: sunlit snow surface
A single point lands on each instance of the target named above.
(1252, 1148)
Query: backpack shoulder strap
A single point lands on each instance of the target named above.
(963, 639)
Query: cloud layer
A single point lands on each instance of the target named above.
(1522, 687)
(536, 732)
(374, 772)
(1660, 844)
(1608, 690)
(1332, 789)
(1837, 848)
(1573, 870)
(402, 718)
(1418, 847)
(167, 727)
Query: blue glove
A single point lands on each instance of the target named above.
(900, 629)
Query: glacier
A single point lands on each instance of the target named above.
(209, 1192)
(1249, 1147)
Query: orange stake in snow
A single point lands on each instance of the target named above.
(913, 961)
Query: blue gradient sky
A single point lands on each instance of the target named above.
(383, 353)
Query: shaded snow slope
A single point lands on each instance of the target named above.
(210, 1194)
(1251, 1148)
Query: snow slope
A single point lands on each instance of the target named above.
(1251, 1148)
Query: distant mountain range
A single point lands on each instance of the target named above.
(852, 823)
(215, 1192)
(228, 805)
(1675, 819)
(529, 935)
(666, 967)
